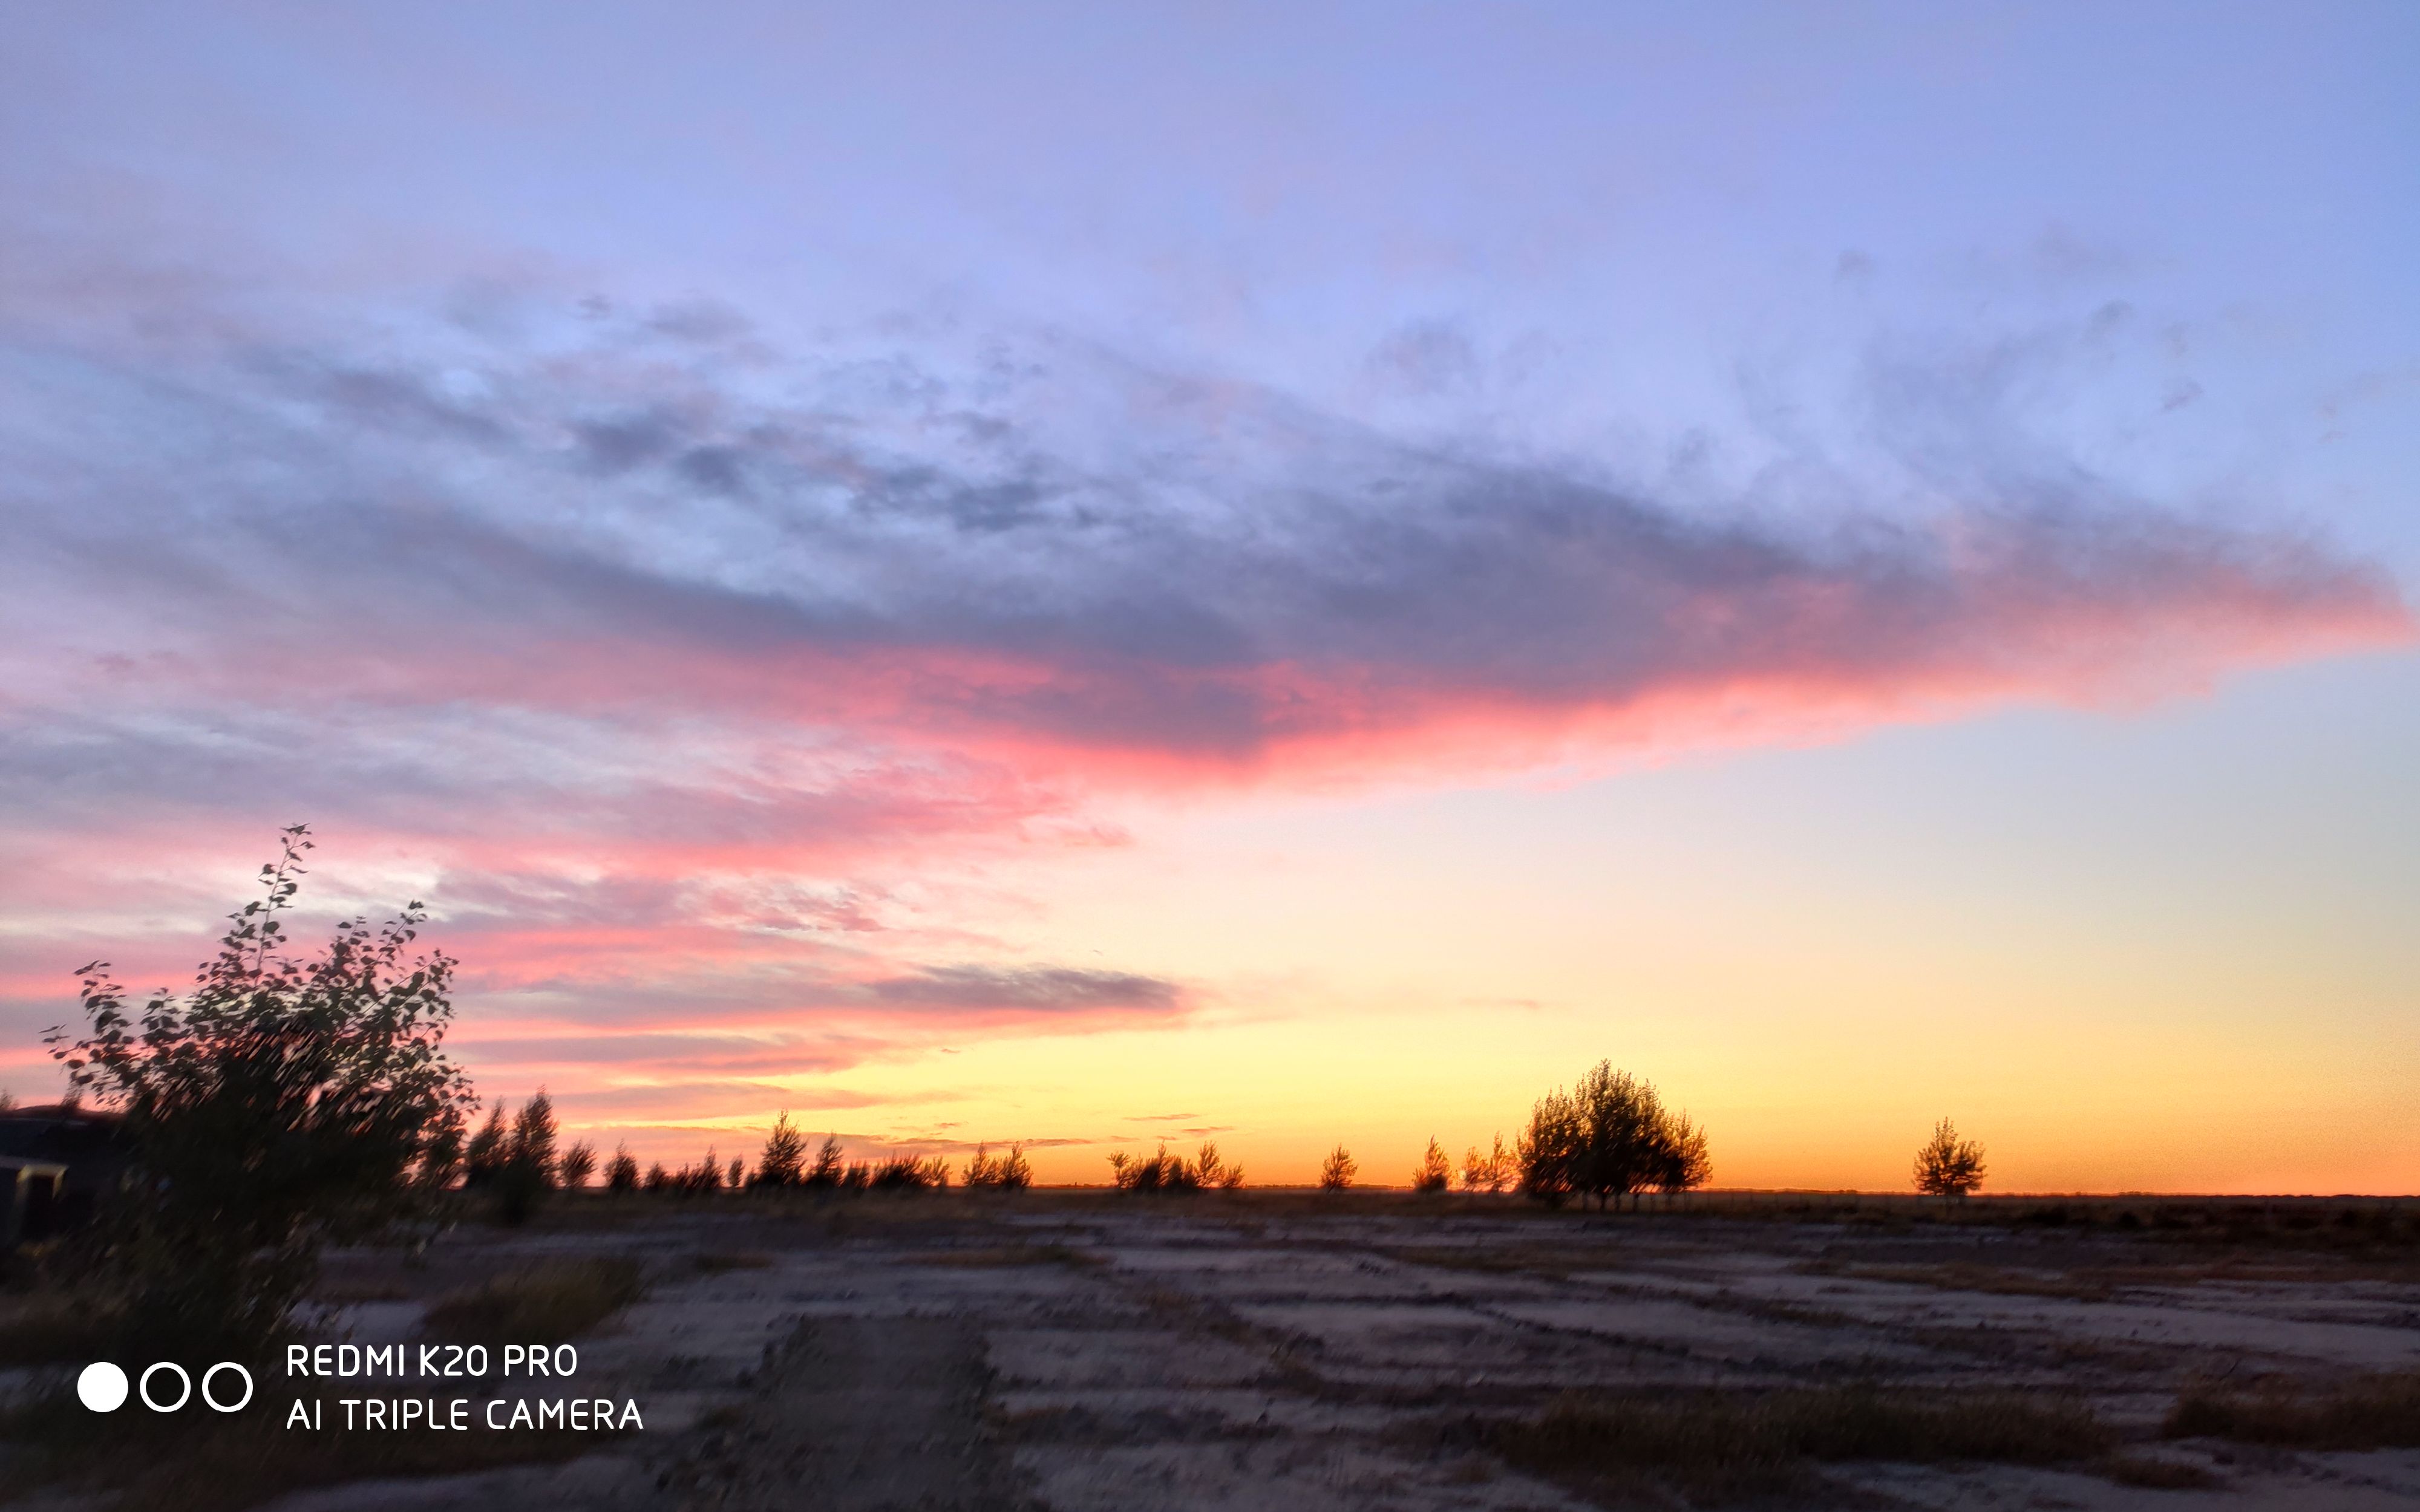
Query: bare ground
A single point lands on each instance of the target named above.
(1090, 1353)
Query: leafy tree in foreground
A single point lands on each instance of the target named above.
(1435, 1172)
(1337, 1171)
(281, 1105)
(1948, 1167)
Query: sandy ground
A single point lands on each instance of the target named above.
(1115, 1355)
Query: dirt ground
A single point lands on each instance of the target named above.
(1095, 1353)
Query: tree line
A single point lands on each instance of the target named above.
(285, 1103)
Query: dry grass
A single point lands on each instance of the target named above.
(544, 1303)
(1715, 1448)
(2368, 1412)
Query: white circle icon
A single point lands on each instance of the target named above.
(101, 1387)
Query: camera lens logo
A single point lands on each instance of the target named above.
(101, 1387)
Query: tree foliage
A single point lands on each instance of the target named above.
(1435, 1172)
(280, 1105)
(1491, 1172)
(1004, 1173)
(1337, 1171)
(1164, 1172)
(783, 1159)
(622, 1172)
(1610, 1136)
(1948, 1167)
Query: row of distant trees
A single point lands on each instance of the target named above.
(285, 1103)
(514, 1158)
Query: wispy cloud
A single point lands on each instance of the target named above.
(689, 668)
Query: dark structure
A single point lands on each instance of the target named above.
(58, 1165)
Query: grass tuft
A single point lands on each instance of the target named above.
(545, 1303)
(1719, 1447)
(2380, 1412)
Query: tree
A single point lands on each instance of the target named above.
(577, 1164)
(827, 1169)
(281, 1105)
(1948, 1167)
(622, 1174)
(1488, 1172)
(1006, 1173)
(485, 1156)
(1016, 1172)
(1685, 1164)
(1435, 1172)
(1211, 1171)
(659, 1180)
(1547, 1151)
(524, 1173)
(1337, 1171)
(784, 1158)
(1609, 1137)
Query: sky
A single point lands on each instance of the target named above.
(1087, 575)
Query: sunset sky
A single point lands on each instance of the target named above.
(1097, 573)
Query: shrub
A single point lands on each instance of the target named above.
(1006, 1173)
(1164, 1172)
(1211, 1173)
(622, 1173)
(785, 1157)
(659, 1180)
(1337, 1171)
(1435, 1172)
(827, 1171)
(578, 1163)
(908, 1173)
(1489, 1172)
(279, 1106)
(1948, 1167)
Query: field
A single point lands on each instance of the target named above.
(1270, 1350)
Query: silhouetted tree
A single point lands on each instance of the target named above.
(909, 1173)
(526, 1173)
(1548, 1152)
(485, 1155)
(622, 1173)
(1337, 1171)
(1211, 1171)
(279, 1106)
(1609, 1137)
(784, 1158)
(1684, 1163)
(1948, 1167)
(1007, 1173)
(1489, 1172)
(828, 1167)
(659, 1180)
(578, 1163)
(1435, 1172)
